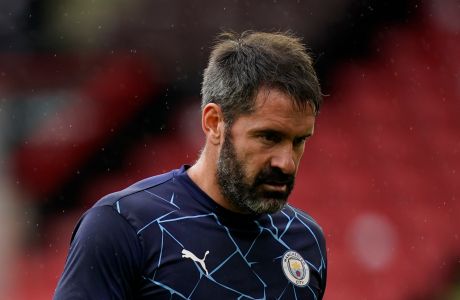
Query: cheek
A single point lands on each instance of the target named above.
(253, 162)
(252, 155)
(298, 156)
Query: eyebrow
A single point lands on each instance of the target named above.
(274, 131)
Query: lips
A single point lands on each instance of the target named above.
(275, 187)
(274, 182)
(285, 180)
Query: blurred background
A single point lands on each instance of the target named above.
(96, 94)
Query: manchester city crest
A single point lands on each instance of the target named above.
(295, 268)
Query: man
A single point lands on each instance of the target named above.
(220, 229)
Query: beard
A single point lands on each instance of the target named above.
(248, 195)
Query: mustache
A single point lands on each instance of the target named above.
(274, 176)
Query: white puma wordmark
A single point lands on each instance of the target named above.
(188, 254)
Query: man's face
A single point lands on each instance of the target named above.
(259, 157)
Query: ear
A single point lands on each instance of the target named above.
(212, 122)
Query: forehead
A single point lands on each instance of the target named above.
(276, 110)
(266, 95)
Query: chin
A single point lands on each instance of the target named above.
(268, 205)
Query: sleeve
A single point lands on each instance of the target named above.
(104, 260)
(325, 266)
(323, 286)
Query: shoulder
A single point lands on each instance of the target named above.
(302, 221)
(136, 189)
(303, 216)
(144, 200)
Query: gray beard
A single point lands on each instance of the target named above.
(248, 198)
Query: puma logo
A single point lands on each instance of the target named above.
(188, 254)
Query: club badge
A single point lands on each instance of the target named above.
(295, 268)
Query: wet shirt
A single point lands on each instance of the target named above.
(164, 238)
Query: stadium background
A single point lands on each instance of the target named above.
(96, 94)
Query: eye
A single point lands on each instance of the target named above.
(270, 137)
(299, 141)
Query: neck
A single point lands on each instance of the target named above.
(203, 174)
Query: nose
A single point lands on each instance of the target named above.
(284, 160)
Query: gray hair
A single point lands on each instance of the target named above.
(240, 64)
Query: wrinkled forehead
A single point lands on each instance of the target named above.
(266, 94)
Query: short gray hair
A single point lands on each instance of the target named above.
(240, 64)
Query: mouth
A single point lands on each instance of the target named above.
(275, 187)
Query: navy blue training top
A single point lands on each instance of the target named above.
(164, 238)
